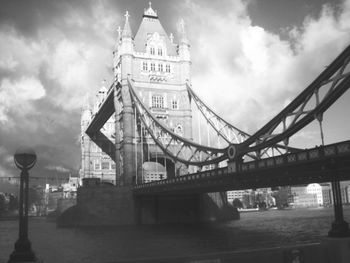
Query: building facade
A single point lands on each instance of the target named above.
(95, 162)
(159, 70)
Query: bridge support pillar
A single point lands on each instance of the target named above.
(340, 228)
(184, 208)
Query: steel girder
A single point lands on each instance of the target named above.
(225, 130)
(320, 164)
(176, 147)
(230, 133)
(309, 105)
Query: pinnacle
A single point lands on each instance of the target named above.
(127, 30)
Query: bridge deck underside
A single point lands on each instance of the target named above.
(322, 169)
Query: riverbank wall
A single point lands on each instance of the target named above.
(331, 250)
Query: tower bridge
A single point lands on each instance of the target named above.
(153, 107)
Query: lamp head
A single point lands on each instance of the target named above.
(25, 158)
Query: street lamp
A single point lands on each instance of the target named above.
(25, 159)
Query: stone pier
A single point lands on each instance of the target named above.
(108, 205)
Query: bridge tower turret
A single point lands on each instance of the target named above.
(184, 53)
(126, 49)
(125, 116)
(85, 140)
(159, 70)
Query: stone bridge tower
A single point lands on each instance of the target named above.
(159, 69)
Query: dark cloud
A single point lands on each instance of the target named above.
(271, 15)
(30, 16)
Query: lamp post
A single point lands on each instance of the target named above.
(25, 159)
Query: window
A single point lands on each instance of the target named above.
(175, 104)
(160, 67)
(152, 50)
(157, 102)
(97, 166)
(153, 67)
(160, 52)
(167, 68)
(105, 165)
(144, 66)
(113, 166)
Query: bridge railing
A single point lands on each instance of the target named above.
(304, 156)
(300, 157)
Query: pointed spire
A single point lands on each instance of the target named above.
(149, 12)
(119, 30)
(183, 34)
(103, 90)
(127, 30)
(86, 102)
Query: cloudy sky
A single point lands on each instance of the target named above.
(255, 55)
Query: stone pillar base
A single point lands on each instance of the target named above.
(339, 229)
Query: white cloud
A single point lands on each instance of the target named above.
(254, 72)
(17, 95)
(78, 67)
(20, 53)
(5, 160)
(8, 62)
(57, 168)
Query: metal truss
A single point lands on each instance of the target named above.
(309, 105)
(230, 133)
(176, 147)
(225, 130)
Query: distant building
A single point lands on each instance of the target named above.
(315, 189)
(327, 194)
(248, 199)
(303, 198)
(345, 194)
(251, 197)
(232, 195)
(70, 188)
(318, 194)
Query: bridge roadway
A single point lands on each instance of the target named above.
(321, 164)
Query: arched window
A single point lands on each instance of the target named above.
(157, 102)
